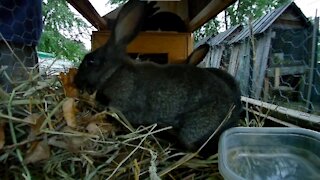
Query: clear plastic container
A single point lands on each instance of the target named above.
(269, 153)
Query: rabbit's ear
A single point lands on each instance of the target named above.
(198, 54)
(128, 23)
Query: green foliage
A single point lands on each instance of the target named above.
(62, 31)
(242, 10)
(239, 13)
(117, 1)
(62, 47)
(208, 29)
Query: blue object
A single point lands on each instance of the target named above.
(21, 21)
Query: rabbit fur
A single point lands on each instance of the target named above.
(199, 54)
(192, 100)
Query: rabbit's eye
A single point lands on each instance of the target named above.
(90, 62)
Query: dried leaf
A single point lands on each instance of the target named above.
(37, 120)
(98, 127)
(99, 117)
(75, 143)
(67, 80)
(69, 112)
(39, 150)
(70, 143)
(97, 124)
(57, 142)
(93, 128)
(2, 134)
(32, 118)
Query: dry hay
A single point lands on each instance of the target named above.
(47, 132)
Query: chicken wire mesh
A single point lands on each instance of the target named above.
(293, 77)
(20, 30)
(275, 59)
(282, 69)
(22, 23)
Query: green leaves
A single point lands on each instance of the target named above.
(208, 29)
(238, 13)
(242, 10)
(62, 47)
(117, 1)
(62, 31)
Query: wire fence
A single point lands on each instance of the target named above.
(21, 26)
(283, 69)
(20, 30)
(275, 59)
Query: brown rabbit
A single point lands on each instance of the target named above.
(192, 100)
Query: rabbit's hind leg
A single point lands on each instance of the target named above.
(197, 126)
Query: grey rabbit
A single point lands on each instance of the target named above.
(198, 54)
(192, 100)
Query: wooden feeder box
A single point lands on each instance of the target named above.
(175, 46)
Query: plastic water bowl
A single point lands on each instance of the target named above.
(269, 153)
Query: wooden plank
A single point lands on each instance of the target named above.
(208, 60)
(233, 59)
(289, 24)
(279, 109)
(266, 89)
(217, 52)
(219, 56)
(85, 8)
(289, 16)
(190, 42)
(240, 65)
(246, 68)
(270, 118)
(177, 45)
(313, 61)
(277, 77)
(263, 49)
(283, 88)
(257, 63)
(212, 9)
(289, 70)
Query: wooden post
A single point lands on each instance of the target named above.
(312, 118)
(266, 89)
(312, 62)
(276, 77)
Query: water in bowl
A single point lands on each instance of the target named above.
(274, 163)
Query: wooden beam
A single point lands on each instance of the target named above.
(271, 118)
(313, 60)
(289, 70)
(85, 8)
(154, 42)
(277, 77)
(266, 89)
(279, 109)
(212, 9)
